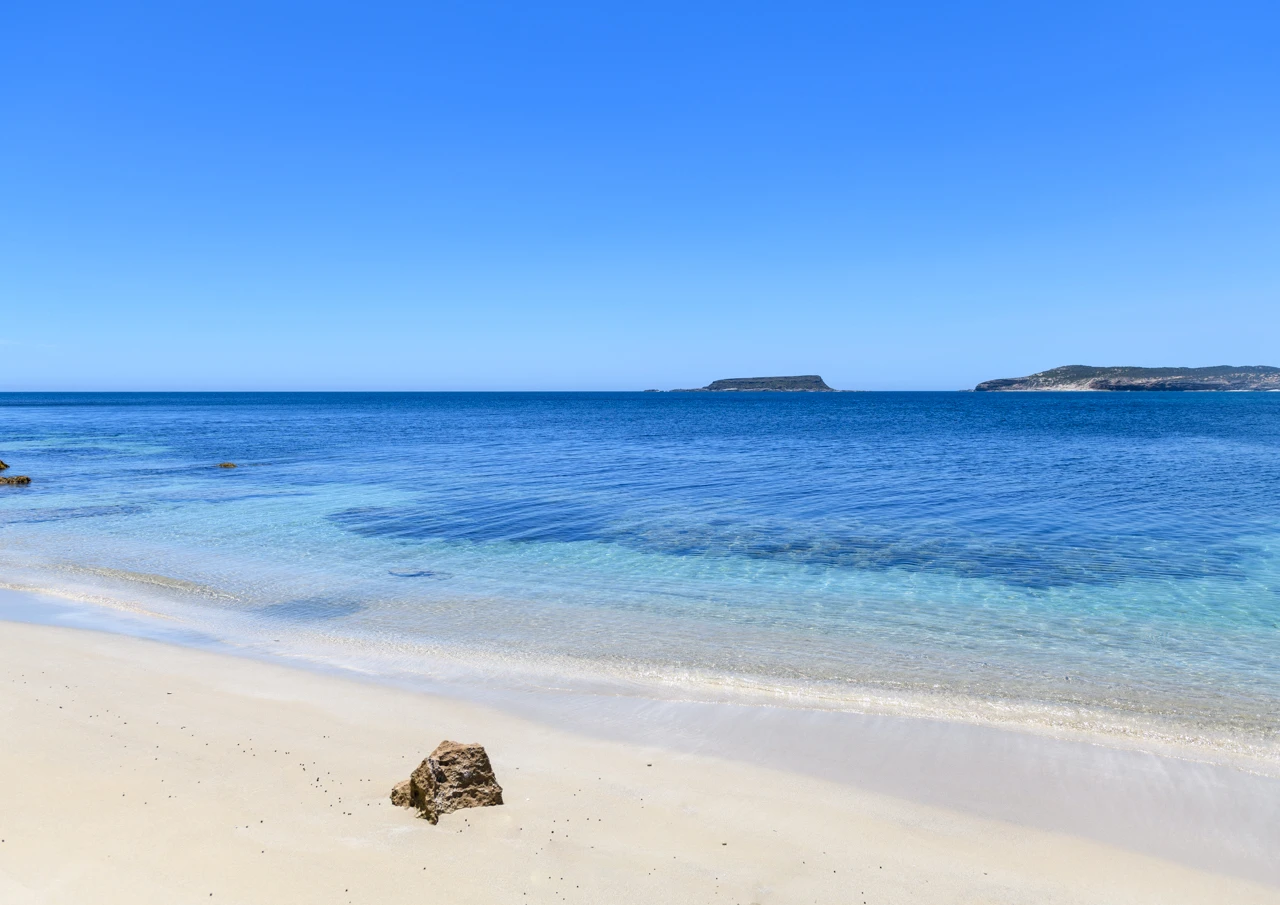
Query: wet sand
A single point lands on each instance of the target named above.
(137, 771)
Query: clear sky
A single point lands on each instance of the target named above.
(900, 195)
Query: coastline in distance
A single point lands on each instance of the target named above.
(1257, 378)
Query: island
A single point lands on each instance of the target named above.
(807, 383)
(1082, 377)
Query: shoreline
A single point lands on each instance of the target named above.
(147, 772)
(478, 674)
(1211, 818)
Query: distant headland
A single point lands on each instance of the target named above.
(1083, 377)
(807, 383)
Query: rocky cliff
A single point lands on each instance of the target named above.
(1083, 377)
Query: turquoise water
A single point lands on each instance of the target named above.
(1108, 562)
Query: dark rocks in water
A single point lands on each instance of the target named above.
(452, 777)
(3, 465)
(226, 464)
(16, 479)
(807, 383)
(1086, 378)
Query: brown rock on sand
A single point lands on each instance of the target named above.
(465, 777)
(401, 794)
(422, 792)
(16, 479)
(454, 776)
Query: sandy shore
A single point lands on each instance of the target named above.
(136, 771)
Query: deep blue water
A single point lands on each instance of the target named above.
(1066, 550)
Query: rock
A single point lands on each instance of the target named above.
(16, 479)
(401, 794)
(454, 776)
(226, 464)
(422, 791)
(465, 777)
(3, 466)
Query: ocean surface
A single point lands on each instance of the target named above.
(1070, 562)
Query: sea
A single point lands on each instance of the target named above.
(1081, 564)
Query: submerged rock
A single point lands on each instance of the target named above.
(452, 777)
(16, 479)
(3, 466)
(226, 464)
(419, 573)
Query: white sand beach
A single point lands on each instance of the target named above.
(136, 771)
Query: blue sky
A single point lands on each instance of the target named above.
(621, 196)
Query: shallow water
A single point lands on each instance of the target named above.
(1102, 562)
